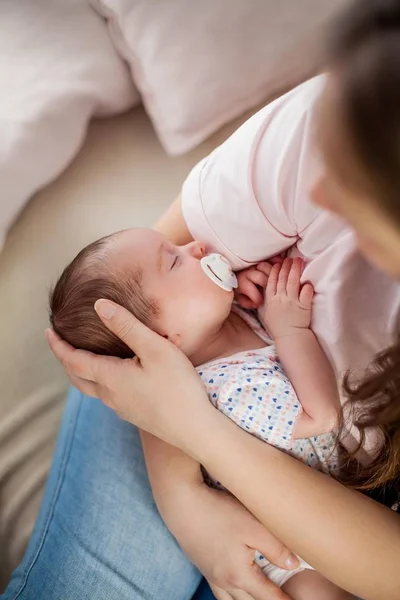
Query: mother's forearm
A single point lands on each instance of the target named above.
(168, 468)
(350, 539)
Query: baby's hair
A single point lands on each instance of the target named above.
(86, 279)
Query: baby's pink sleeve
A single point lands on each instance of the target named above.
(241, 199)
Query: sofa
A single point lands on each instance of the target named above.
(121, 176)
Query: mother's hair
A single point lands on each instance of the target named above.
(364, 49)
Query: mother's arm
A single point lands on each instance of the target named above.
(350, 539)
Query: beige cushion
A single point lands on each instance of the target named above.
(121, 177)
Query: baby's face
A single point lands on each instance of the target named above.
(192, 307)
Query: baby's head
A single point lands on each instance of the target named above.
(163, 285)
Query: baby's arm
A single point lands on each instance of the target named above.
(312, 377)
(287, 313)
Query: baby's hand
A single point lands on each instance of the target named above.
(252, 282)
(287, 307)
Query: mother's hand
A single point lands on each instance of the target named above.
(220, 537)
(159, 390)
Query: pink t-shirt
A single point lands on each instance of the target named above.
(249, 199)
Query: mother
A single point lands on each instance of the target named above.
(98, 533)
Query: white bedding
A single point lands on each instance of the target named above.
(58, 68)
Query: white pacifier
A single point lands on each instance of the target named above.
(218, 269)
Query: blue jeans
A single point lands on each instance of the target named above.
(98, 534)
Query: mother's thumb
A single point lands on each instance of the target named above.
(128, 328)
(276, 552)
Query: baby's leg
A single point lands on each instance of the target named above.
(310, 585)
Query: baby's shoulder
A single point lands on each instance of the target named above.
(249, 358)
(261, 366)
(253, 391)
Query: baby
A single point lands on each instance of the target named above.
(275, 383)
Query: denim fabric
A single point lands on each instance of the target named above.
(98, 534)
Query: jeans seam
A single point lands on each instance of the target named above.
(52, 507)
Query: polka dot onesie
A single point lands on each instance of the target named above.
(251, 388)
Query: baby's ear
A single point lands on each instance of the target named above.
(175, 339)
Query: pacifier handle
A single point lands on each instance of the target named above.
(218, 269)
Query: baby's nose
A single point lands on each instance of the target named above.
(197, 249)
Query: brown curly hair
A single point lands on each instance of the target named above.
(364, 49)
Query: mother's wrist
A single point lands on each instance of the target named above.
(203, 439)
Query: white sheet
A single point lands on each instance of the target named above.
(58, 68)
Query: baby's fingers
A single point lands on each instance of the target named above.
(306, 295)
(272, 285)
(264, 267)
(257, 277)
(248, 294)
(284, 275)
(276, 259)
(293, 281)
(245, 302)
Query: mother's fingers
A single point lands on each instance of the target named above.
(144, 342)
(260, 587)
(79, 363)
(89, 388)
(219, 593)
(240, 595)
(273, 549)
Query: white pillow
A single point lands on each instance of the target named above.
(58, 68)
(200, 63)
